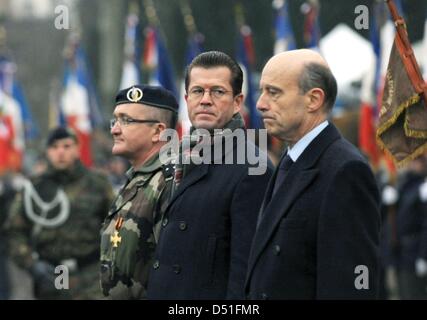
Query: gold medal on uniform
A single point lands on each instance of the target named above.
(115, 239)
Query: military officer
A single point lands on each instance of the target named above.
(53, 226)
(130, 232)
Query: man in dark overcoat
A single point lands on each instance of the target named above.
(318, 234)
(209, 224)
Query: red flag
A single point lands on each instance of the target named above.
(310, 9)
(11, 134)
(76, 112)
(367, 130)
(369, 94)
(150, 50)
(79, 107)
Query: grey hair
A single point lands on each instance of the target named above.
(315, 75)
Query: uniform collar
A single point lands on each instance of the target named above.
(151, 165)
(68, 175)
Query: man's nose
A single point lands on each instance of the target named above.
(116, 129)
(261, 104)
(206, 97)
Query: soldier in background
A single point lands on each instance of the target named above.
(412, 231)
(130, 232)
(7, 193)
(116, 170)
(54, 223)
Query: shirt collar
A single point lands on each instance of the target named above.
(303, 143)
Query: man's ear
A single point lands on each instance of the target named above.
(316, 98)
(160, 127)
(238, 101)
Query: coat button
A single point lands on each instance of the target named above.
(182, 225)
(264, 296)
(176, 268)
(276, 249)
(156, 264)
(165, 222)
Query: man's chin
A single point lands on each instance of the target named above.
(62, 166)
(208, 125)
(119, 152)
(116, 151)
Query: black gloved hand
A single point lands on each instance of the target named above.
(44, 278)
(43, 270)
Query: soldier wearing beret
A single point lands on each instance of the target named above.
(130, 231)
(54, 223)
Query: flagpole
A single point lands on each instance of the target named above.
(163, 70)
(412, 66)
(4, 50)
(188, 17)
(150, 13)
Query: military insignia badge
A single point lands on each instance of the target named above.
(115, 239)
(134, 94)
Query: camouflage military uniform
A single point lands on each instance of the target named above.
(130, 232)
(73, 243)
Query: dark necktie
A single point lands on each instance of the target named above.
(284, 167)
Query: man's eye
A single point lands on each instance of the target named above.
(272, 92)
(219, 92)
(197, 90)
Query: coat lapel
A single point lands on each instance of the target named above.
(268, 193)
(278, 207)
(195, 175)
(198, 172)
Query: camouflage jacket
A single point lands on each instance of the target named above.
(130, 232)
(74, 241)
